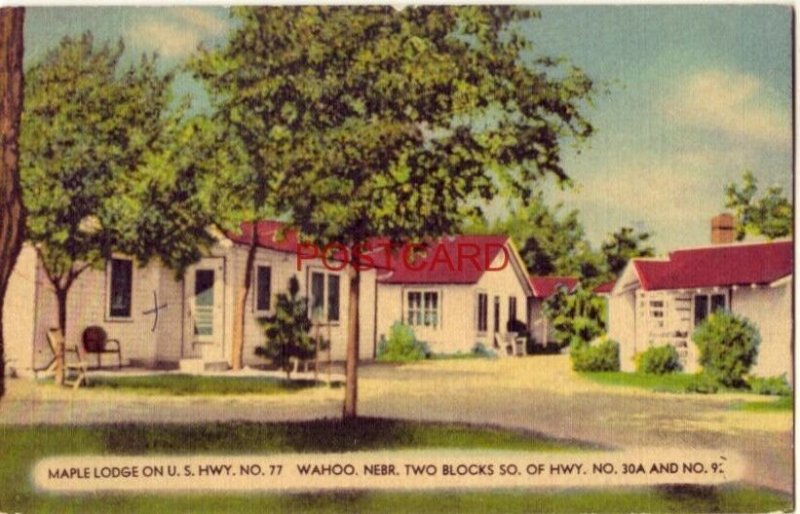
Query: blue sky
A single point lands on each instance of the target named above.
(696, 95)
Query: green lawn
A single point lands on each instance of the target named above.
(180, 384)
(782, 403)
(20, 447)
(670, 383)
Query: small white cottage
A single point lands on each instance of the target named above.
(660, 301)
(464, 290)
(161, 322)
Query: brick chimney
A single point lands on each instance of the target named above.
(723, 229)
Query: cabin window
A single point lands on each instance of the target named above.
(120, 290)
(512, 308)
(423, 308)
(325, 296)
(263, 288)
(333, 297)
(705, 304)
(482, 312)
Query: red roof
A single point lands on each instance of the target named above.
(543, 287)
(266, 236)
(448, 260)
(718, 266)
(605, 287)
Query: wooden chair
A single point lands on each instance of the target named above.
(95, 340)
(75, 365)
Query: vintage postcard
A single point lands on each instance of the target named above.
(397, 258)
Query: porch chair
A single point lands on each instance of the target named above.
(74, 359)
(95, 340)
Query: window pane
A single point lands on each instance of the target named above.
(700, 308)
(263, 288)
(121, 285)
(497, 314)
(204, 302)
(512, 308)
(717, 302)
(333, 297)
(317, 294)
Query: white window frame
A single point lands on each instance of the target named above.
(708, 295)
(423, 310)
(325, 295)
(109, 268)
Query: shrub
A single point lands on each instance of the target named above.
(603, 356)
(777, 385)
(576, 317)
(481, 351)
(659, 360)
(702, 383)
(728, 346)
(402, 346)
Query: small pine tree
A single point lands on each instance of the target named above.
(288, 330)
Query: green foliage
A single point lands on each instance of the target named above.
(481, 351)
(402, 345)
(576, 317)
(771, 215)
(288, 330)
(622, 246)
(374, 122)
(703, 383)
(602, 356)
(728, 346)
(105, 166)
(776, 385)
(659, 360)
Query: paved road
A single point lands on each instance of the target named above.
(533, 393)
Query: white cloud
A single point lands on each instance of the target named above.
(176, 36)
(168, 39)
(209, 24)
(731, 104)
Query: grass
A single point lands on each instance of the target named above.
(782, 404)
(180, 384)
(21, 447)
(669, 383)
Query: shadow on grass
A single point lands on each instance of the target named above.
(325, 435)
(184, 384)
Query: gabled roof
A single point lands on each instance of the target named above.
(440, 262)
(717, 266)
(266, 236)
(544, 287)
(605, 287)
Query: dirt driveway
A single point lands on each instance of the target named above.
(535, 393)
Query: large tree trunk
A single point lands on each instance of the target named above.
(239, 309)
(12, 215)
(351, 371)
(61, 301)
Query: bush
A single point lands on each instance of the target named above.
(402, 346)
(703, 384)
(728, 346)
(603, 356)
(659, 360)
(777, 385)
(481, 351)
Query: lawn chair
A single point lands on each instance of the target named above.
(96, 341)
(75, 365)
(502, 345)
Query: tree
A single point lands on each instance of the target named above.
(549, 242)
(771, 215)
(104, 166)
(12, 214)
(622, 246)
(728, 347)
(577, 317)
(288, 330)
(372, 122)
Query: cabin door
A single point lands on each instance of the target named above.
(205, 309)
